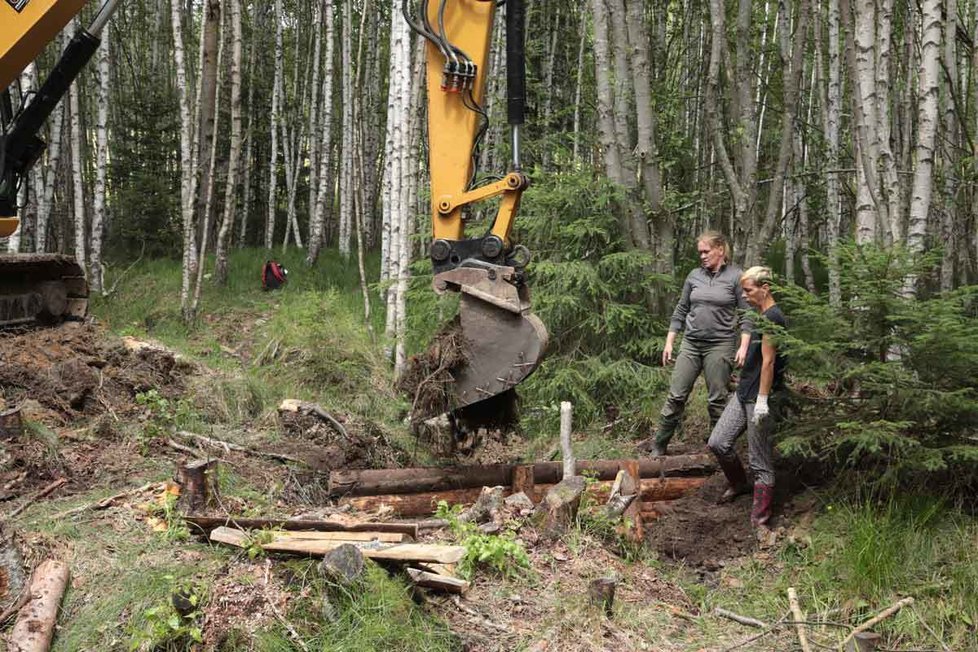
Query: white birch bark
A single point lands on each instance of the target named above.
(347, 164)
(99, 212)
(862, 61)
(893, 228)
(234, 157)
(249, 134)
(53, 151)
(77, 172)
(186, 160)
(274, 128)
(951, 144)
(314, 90)
(928, 84)
(324, 182)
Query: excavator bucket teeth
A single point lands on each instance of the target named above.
(502, 348)
(41, 288)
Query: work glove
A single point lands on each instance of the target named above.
(761, 409)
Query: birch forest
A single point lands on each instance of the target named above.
(792, 126)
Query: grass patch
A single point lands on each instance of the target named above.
(862, 557)
(375, 616)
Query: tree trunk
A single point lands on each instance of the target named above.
(99, 214)
(927, 92)
(274, 127)
(51, 173)
(325, 183)
(186, 165)
(830, 125)
(234, 158)
(77, 173)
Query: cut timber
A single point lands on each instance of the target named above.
(373, 482)
(198, 485)
(424, 504)
(631, 485)
(208, 523)
(34, 628)
(438, 582)
(373, 549)
(384, 537)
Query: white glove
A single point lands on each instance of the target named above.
(761, 409)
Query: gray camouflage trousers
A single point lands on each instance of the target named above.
(736, 418)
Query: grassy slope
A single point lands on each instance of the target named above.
(311, 336)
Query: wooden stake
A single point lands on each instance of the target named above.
(881, 616)
(198, 485)
(799, 618)
(601, 593)
(566, 422)
(34, 628)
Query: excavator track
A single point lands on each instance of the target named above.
(41, 289)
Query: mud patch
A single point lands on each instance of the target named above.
(361, 445)
(699, 532)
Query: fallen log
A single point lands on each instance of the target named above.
(208, 523)
(424, 504)
(412, 552)
(41, 494)
(34, 628)
(372, 482)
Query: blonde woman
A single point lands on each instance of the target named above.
(709, 314)
(750, 408)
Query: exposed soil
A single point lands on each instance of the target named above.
(699, 532)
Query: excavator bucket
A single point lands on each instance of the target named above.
(41, 289)
(502, 348)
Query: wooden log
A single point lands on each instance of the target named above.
(207, 523)
(412, 552)
(34, 628)
(384, 537)
(198, 485)
(424, 504)
(438, 582)
(523, 481)
(374, 482)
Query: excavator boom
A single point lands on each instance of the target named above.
(504, 342)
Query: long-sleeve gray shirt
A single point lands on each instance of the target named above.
(711, 306)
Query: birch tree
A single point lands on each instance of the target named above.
(77, 172)
(928, 91)
(234, 157)
(324, 183)
(99, 213)
(274, 129)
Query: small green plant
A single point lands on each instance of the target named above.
(254, 549)
(502, 553)
(174, 624)
(167, 519)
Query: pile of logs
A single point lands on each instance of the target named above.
(415, 492)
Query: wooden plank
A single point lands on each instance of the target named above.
(372, 549)
(438, 582)
(209, 523)
(372, 482)
(385, 537)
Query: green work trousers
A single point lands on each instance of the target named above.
(715, 361)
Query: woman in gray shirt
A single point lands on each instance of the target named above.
(710, 311)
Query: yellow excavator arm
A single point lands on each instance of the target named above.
(37, 287)
(504, 341)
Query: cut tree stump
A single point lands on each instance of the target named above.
(424, 504)
(34, 629)
(631, 485)
(601, 594)
(559, 507)
(198, 485)
(486, 508)
(343, 564)
(374, 482)
(11, 424)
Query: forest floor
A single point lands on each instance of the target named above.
(109, 415)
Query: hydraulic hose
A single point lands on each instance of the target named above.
(515, 72)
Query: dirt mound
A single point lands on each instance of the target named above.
(324, 447)
(80, 369)
(428, 379)
(697, 531)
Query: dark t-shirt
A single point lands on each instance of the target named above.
(750, 377)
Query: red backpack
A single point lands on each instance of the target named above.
(273, 275)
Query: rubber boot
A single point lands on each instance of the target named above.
(656, 444)
(763, 497)
(736, 476)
